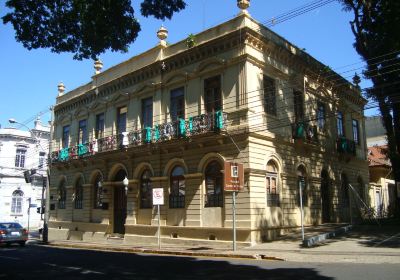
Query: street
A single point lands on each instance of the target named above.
(41, 262)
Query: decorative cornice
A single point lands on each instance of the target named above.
(157, 179)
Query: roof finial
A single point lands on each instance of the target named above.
(162, 34)
(98, 65)
(61, 88)
(243, 5)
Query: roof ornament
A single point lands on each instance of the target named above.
(356, 80)
(61, 89)
(162, 34)
(98, 65)
(243, 5)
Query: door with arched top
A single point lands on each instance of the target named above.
(325, 197)
(119, 203)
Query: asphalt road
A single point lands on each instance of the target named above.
(40, 262)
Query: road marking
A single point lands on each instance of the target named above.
(84, 271)
(11, 258)
(387, 239)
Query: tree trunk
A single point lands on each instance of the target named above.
(396, 166)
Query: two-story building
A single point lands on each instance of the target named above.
(172, 117)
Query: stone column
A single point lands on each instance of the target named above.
(69, 204)
(87, 205)
(193, 199)
(132, 202)
(107, 198)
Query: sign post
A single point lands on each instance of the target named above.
(301, 186)
(158, 199)
(234, 178)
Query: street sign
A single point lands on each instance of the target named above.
(158, 196)
(234, 176)
(32, 205)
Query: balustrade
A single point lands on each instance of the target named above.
(160, 133)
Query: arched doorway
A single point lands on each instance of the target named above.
(325, 197)
(344, 198)
(119, 202)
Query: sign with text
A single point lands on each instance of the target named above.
(234, 176)
(158, 196)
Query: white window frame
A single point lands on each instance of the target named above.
(17, 200)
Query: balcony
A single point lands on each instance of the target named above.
(180, 129)
(346, 146)
(305, 132)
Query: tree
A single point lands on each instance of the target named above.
(86, 28)
(376, 26)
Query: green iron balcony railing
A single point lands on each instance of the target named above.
(211, 122)
(304, 131)
(346, 146)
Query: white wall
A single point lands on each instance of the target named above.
(12, 178)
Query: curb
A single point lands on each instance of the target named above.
(164, 252)
(314, 240)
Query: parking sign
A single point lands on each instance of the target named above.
(158, 196)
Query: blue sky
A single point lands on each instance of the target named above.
(28, 79)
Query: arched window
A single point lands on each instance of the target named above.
(177, 191)
(78, 199)
(146, 190)
(214, 188)
(62, 195)
(302, 183)
(344, 191)
(271, 185)
(16, 202)
(98, 192)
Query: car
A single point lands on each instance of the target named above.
(13, 232)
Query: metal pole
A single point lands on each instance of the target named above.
(350, 207)
(42, 202)
(159, 227)
(301, 209)
(29, 213)
(47, 201)
(234, 219)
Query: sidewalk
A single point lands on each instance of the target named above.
(356, 246)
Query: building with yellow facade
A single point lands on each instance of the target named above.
(172, 116)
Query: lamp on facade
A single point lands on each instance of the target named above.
(125, 182)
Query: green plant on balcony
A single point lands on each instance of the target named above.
(299, 130)
(191, 40)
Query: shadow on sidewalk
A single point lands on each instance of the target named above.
(383, 236)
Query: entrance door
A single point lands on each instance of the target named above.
(378, 203)
(119, 209)
(325, 199)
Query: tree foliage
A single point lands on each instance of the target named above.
(376, 27)
(86, 28)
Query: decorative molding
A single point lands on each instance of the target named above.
(193, 175)
(160, 178)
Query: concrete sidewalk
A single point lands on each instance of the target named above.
(356, 246)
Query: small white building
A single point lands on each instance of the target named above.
(23, 153)
(382, 193)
